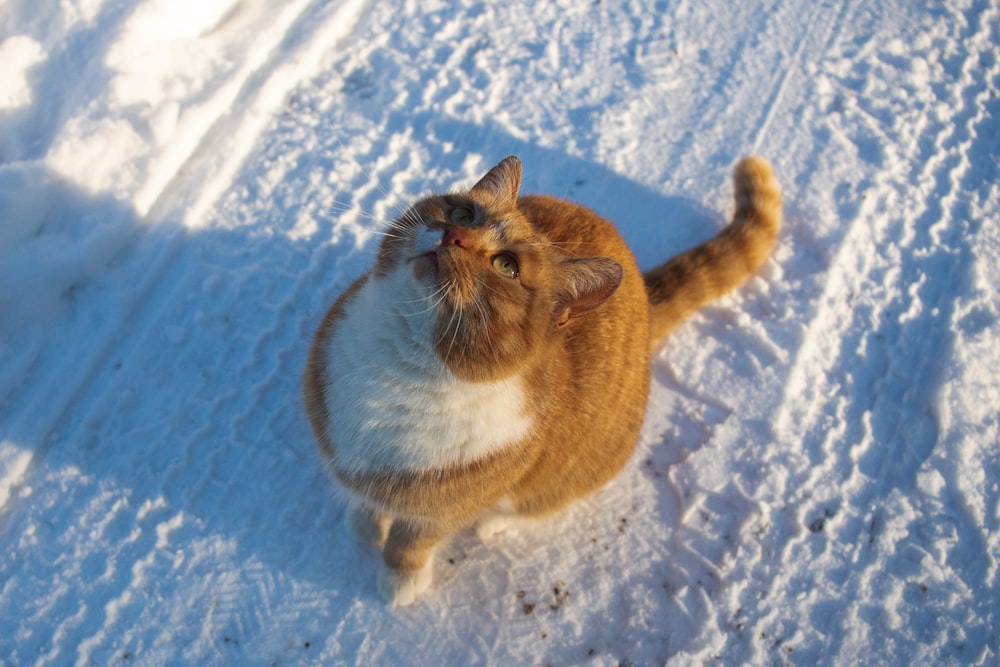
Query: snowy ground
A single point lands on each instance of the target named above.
(185, 185)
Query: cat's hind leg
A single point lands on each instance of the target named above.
(367, 525)
(495, 524)
(502, 518)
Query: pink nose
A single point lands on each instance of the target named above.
(459, 236)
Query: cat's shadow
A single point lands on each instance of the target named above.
(655, 226)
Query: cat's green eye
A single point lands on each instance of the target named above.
(505, 264)
(461, 216)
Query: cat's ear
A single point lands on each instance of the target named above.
(501, 183)
(584, 283)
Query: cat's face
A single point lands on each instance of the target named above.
(499, 291)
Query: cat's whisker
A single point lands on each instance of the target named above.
(396, 225)
(407, 220)
(434, 300)
(456, 319)
(482, 305)
(440, 290)
(486, 287)
(339, 207)
(390, 234)
(486, 326)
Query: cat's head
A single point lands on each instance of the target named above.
(500, 290)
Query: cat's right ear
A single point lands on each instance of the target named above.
(585, 283)
(501, 183)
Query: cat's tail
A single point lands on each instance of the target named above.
(723, 263)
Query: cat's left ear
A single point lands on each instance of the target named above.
(584, 284)
(501, 183)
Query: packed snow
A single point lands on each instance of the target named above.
(186, 185)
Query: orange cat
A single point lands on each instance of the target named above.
(494, 363)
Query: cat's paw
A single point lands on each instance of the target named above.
(366, 526)
(495, 524)
(400, 589)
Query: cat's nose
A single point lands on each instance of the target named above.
(456, 236)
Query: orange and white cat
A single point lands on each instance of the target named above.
(494, 364)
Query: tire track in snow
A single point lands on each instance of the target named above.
(727, 526)
(183, 190)
(817, 41)
(846, 404)
(953, 554)
(794, 62)
(220, 151)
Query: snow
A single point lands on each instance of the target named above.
(185, 187)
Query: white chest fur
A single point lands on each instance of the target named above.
(391, 401)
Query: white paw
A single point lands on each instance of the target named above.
(365, 526)
(495, 524)
(400, 589)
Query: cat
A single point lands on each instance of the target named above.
(494, 364)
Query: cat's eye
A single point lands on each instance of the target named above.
(505, 264)
(461, 216)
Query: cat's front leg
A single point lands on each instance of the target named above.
(407, 561)
(401, 589)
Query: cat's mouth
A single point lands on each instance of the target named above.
(425, 265)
